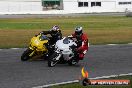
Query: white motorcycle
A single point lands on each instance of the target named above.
(63, 52)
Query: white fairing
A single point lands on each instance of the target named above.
(63, 46)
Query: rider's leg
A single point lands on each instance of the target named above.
(82, 54)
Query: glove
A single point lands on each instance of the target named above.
(41, 32)
(70, 36)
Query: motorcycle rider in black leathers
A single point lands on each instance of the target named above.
(56, 35)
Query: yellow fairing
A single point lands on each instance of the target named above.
(38, 44)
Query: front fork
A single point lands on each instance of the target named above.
(58, 56)
(32, 53)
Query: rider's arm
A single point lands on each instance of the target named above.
(59, 35)
(45, 32)
(72, 36)
(84, 45)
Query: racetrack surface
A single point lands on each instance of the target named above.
(101, 60)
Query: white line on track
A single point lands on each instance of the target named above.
(14, 48)
(75, 81)
(112, 44)
(61, 83)
(130, 43)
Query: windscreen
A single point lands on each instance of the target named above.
(66, 41)
(43, 37)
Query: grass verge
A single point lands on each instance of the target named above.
(100, 29)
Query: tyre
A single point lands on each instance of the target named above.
(25, 56)
(52, 60)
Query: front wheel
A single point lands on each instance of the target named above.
(52, 60)
(25, 56)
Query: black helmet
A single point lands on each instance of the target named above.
(55, 29)
(78, 31)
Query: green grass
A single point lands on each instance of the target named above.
(100, 29)
(90, 22)
(78, 85)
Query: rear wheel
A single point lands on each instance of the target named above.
(52, 60)
(25, 56)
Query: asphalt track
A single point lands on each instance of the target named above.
(101, 60)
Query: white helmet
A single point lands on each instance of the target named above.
(78, 31)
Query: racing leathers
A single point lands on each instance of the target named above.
(55, 36)
(82, 45)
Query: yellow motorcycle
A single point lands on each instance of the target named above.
(38, 46)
